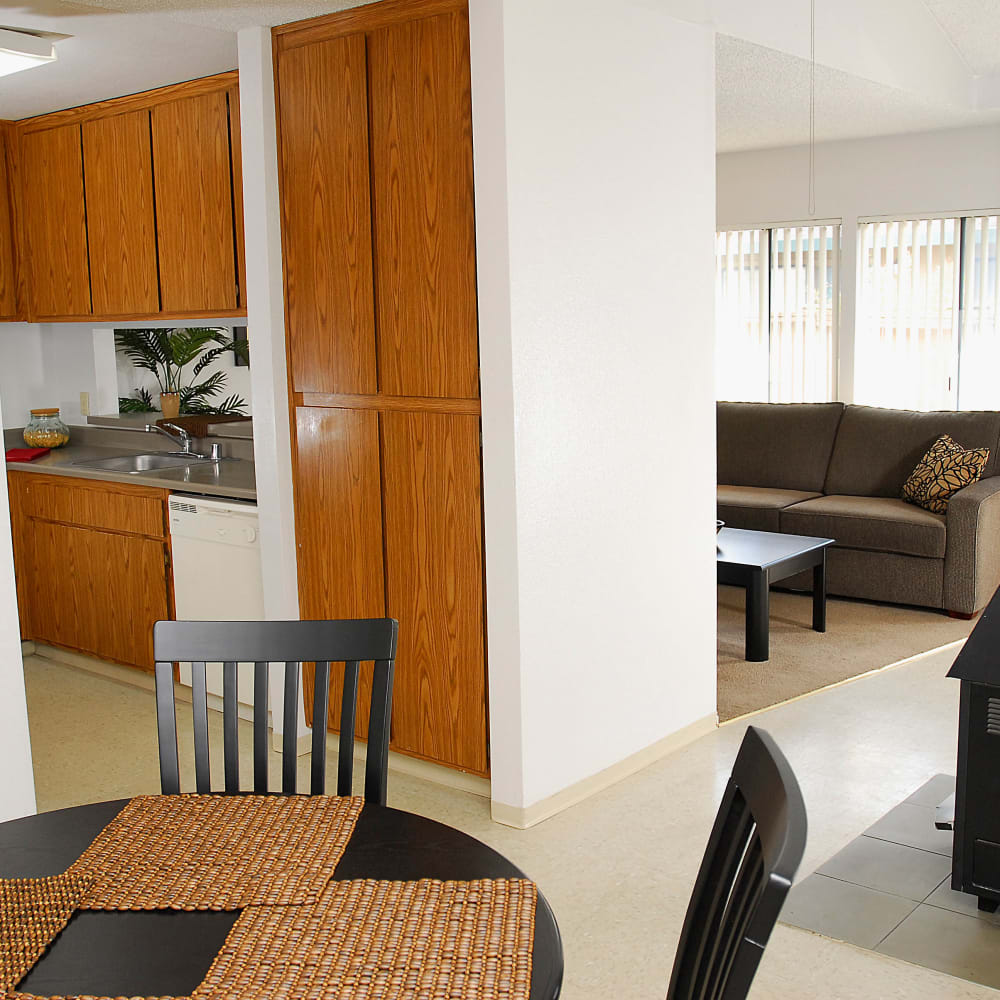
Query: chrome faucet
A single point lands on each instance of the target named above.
(183, 439)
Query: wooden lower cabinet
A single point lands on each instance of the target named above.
(434, 579)
(81, 584)
(389, 521)
(338, 518)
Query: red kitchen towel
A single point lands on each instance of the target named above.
(25, 454)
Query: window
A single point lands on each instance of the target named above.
(927, 336)
(776, 307)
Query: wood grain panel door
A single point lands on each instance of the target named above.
(96, 591)
(434, 573)
(8, 249)
(338, 529)
(326, 216)
(194, 211)
(236, 170)
(120, 224)
(421, 128)
(55, 224)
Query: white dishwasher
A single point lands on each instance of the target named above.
(217, 575)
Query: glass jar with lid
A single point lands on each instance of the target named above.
(45, 429)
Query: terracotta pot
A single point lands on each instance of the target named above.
(170, 404)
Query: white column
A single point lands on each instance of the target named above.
(17, 785)
(594, 142)
(266, 336)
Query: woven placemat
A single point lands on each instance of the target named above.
(217, 852)
(32, 913)
(18, 995)
(368, 939)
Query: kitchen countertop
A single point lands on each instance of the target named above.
(229, 477)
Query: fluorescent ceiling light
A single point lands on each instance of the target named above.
(22, 51)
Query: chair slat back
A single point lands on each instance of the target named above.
(324, 643)
(753, 852)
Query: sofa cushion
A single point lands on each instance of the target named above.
(942, 472)
(755, 507)
(877, 449)
(785, 446)
(883, 524)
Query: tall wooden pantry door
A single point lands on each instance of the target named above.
(375, 155)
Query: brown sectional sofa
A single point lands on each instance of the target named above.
(837, 471)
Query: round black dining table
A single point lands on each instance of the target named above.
(166, 953)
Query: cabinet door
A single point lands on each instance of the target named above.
(194, 210)
(421, 142)
(120, 224)
(96, 591)
(326, 216)
(434, 573)
(55, 226)
(236, 167)
(338, 529)
(8, 268)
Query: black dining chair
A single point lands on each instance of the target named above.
(350, 642)
(752, 855)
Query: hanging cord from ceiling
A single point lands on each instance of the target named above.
(812, 107)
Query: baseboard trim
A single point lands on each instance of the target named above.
(132, 676)
(523, 817)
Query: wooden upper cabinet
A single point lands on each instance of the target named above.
(8, 246)
(55, 225)
(236, 160)
(192, 167)
(421, 151)
(326, 216)
(120, 222)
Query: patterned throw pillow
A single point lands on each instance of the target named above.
(942, 472)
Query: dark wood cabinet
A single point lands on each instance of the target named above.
(92, 564)
(375, 135)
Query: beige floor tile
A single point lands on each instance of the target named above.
(617, 868)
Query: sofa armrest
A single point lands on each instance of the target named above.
(972, 554)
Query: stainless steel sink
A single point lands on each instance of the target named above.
(142, 463)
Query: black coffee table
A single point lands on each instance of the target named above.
(756, 559)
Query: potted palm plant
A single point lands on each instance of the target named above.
(167, 353)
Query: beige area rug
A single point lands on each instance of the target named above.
(860, 636)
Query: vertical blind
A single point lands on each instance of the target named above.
(741, 295)
(927, 332)
(906, 340)
(979, 342)
(776, 313)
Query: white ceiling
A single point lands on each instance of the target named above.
(870, 78)
(762, 96)
(973, 27)
(762, 100)
(108, 54)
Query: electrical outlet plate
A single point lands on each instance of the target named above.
(85, 403)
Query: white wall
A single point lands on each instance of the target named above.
(50, 364)
(950, 171)
(17, 787)
(594, 140)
